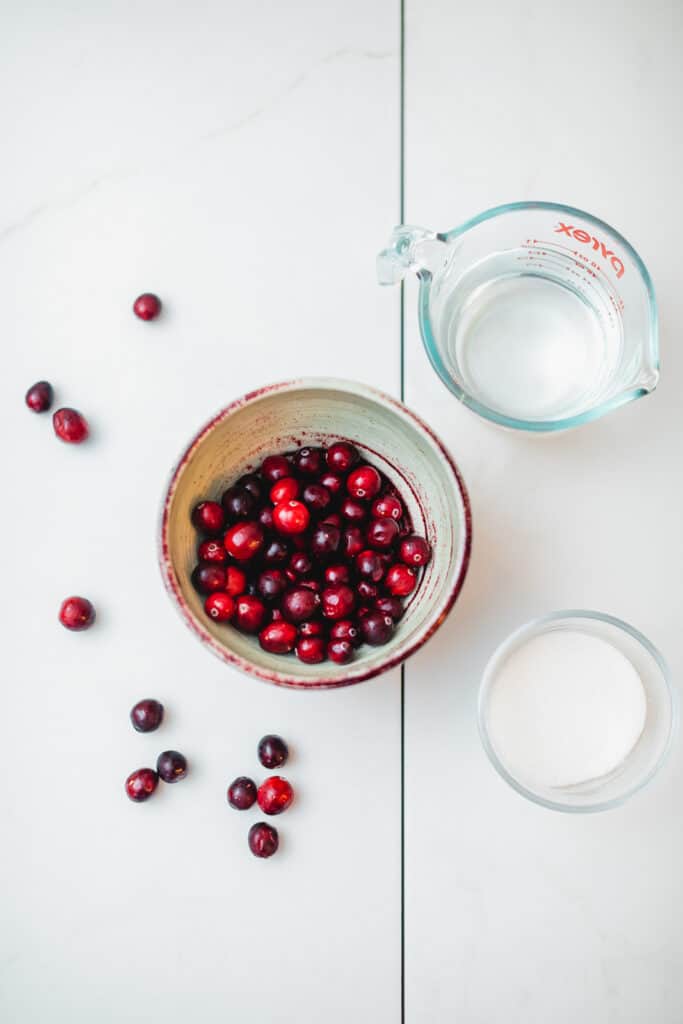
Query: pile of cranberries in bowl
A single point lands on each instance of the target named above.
(313, 553)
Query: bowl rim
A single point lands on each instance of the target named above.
(288, 679)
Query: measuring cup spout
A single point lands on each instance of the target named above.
(410, 249)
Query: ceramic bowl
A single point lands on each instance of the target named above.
(311, 412)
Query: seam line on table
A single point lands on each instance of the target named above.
(402, 395)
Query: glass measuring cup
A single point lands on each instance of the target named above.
(537, 316)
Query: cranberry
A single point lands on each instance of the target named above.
(353, 541)
(147, 715)
(274, 795)
(300, 563)
(333, 519)
(342, 456)
(275, 552)
(271, 583)
(309, 461)
(265, 517)
(147, 306)
(376, 628)
(275, 615)
(354, 511)
(370, 565)
(390, 606)
(338, 602)
(311, 649)
(208, 516)
(382, 533)
(171, 766)
(365, 482)
(242, 793)
(220, 606)
(312, 628)
(414, 550)
(339, 651)
(263, 840)
(70, 426)
(291, 517)
(243, 540)
(387, 507)
(299, 604)
(76, 613)
(252, 483)
(238, 503)
(141, 784)
(212, 551)
(366, 590)
(284, 490)
(332, 482)
(317, 497)
(311, 584)
(250, 613)
(400, 580)
(207, 578)
(347, 630)
(39, 396)
(235, 581)
(362, 610)
(325, 540)
(337, 574)
(272, 751)
(275, 467)
(278, 637)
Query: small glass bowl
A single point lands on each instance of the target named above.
(651, 749)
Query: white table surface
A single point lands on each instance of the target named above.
(243, 161)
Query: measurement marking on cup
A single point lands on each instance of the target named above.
(579, 235)
(582, 260)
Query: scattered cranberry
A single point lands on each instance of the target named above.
(311, 649)
(392, 606)
(300, 604)
(274, 795)
(376, 629)
(171, 766)
(337, 574)
(235, 581)
(76, 613)
(238, 502)
(364, 482)
(242, 793)
(141, 784)
(265, 517)
(147, 306)
(219, 606)
(275, 467)
(243, 540)
(382, 533)
(332, 482)
(250, 614)
(370, 565)
(271, 584)
(272, 751)
(347, 630)
(208, 578)
(263, 840)
(284, 490)
(212, 551)
(300, 563)
(278, 637)
(39, 396)
(400, 580)
(252, 483)
(414, 550)
(353, 541)
(338, 601)
(312, 627)
(325, 540)
(70, 426)
(353, 510)
(316, 497)
(387, 507)
(147, 715)
(366, 590)
(339, 651)
(291, 517)
(309, 461)
(342, 456)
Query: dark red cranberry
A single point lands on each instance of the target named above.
(39, 396)
(242, 793)
(238, 503)
(338, 601)
(400, 580)
(272, 751)
(147, 306)
(362, 610)
(342, 456)
(250, 613)
(300, 604)
(311, 583)
(244, 540)
(332, 482)
(212, 551)
(353, 541)
(364, 482)
(314, 627)
(147, 715)
(367, 591)
(414, 550)
(252, 483)
(311, 649)
(265, 517)
(325, 540)
(76, 613)
(387, 507)
(300, 563)
(275, 552)
(353, 510)
(207, 578)
(275, 467)
(70, 426)
(278, 638)
(309, 461)
(337, 574)
(141, 784)
(333, 519)
(263, 840)
(339, 651)
(346, 629)
(376, 628)
(284, 490)
(316, 497)
(390, 606)
(271, 584)
(299, 541)
(220, 606)
(275, 615)
(370, 565)
(291, 517)
(208, 516)
(382, 533)
(235, 581)
(274, 795)
(171, 766)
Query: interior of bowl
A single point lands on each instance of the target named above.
(285, 417)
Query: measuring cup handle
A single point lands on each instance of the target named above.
(410, 249)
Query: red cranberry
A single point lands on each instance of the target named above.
(342, 456)
(376, 629)
(300, 604)
(414, 550)
(271, 583)
(147, 306)
(317, 497)
(333, 519)
(272, 751)
(275, 467)
(252, 483)
(337, 574)
(400, 580)
(235, 581)
(208, 578)
(338, 602)
(291, 517)
(339, 651)
(278, 637)
(141, 784)
(274, 795)
(382, 533)
(250, 613)
(242, 793)
(312, 628)
(212, 551)
(370, 565)
(39, 396)
(263, 840)
(387, 507)
(309, 461)
(367, 591)
(325, 540)
(332, 482)
(353, 510)
(311, 584)
(244, 540)
(147, 715)
(70, 426)
(353, 541)
(364, 482)
(275, 552)
(220, 606)
(171, 766)
(265, 517)
(347, 630)
(238, 503)
(390, 606)
(300, 563)
(311, 649)
(208, 516)
(76, 613)
(284, 490)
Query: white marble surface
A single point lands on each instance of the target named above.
(243, 162)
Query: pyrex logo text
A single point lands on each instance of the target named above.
(582, 236)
